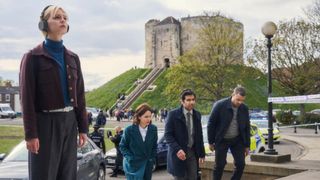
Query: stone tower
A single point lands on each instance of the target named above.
(168, 39)
(162, 42)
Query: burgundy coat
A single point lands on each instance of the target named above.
(40, 88)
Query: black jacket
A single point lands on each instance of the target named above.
(220, 118)
(98, 139)
(176, 135)
(116, 140)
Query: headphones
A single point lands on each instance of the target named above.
(43, 24)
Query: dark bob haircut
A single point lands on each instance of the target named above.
(141, 109)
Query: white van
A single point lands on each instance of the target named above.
(6, 111)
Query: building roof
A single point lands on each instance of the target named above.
(169, 20)
(153, 21)
(9, 90)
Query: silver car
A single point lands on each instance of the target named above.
(91, 163)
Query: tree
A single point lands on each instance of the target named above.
(313, 12)
(295, 57)
(211, 67)
(5, 82)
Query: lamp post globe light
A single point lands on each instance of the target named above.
(269, 29)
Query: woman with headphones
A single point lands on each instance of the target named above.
(53, 101)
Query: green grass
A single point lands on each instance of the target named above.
(10, 136)
(254, 81)
(106, 95)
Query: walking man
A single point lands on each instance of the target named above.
(183, 132)
(229, 128)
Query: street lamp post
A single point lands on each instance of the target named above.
(269, 29)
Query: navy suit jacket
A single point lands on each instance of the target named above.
(176, 135)
(220, 118)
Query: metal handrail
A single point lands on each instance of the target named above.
(316, 127)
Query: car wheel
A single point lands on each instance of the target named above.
(101, 173)
(154, 167)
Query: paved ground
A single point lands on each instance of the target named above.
(304, 147)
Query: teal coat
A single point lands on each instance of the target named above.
(139, 156)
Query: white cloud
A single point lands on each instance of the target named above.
(108, 35)
(98, 70)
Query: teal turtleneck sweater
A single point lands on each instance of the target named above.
(56, 50)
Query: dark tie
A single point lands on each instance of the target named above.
(190, 139)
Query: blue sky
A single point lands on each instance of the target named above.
(108, 35)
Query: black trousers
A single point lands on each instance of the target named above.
(237, 149)
(119, 160)
(57, 156)
(192, 166)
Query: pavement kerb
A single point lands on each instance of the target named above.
(296, 169)
(305, 149)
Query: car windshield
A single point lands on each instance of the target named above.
(93, 110)
(258, 116)
(6, 109)
(19, 153)
(261, 124)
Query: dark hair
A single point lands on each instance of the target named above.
(239, 90)
(141, 109)
(186, 92)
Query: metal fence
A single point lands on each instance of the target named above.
(295, 126)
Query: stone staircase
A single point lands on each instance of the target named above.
(145, 83)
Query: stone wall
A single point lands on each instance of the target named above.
(168, 39)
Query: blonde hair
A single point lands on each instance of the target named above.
(48, 12)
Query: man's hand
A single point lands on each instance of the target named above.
(211, 147)
(246, 151)
(201, 160)
(82, 139)
(181, 155)
(33, 145)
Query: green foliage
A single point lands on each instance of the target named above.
(252, 79)
(106, 95)
(211, 67)
(312, 118)
(286, 117)
(295, 56)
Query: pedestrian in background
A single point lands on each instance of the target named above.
(101, 121)
(90, 118)
(229, 128)
(183, 132)
(139, 145)
(53, 101)
(116, 140)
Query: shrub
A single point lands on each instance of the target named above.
(312, 118)
(285, 117)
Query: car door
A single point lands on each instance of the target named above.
(87, 165)
(162, 151)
